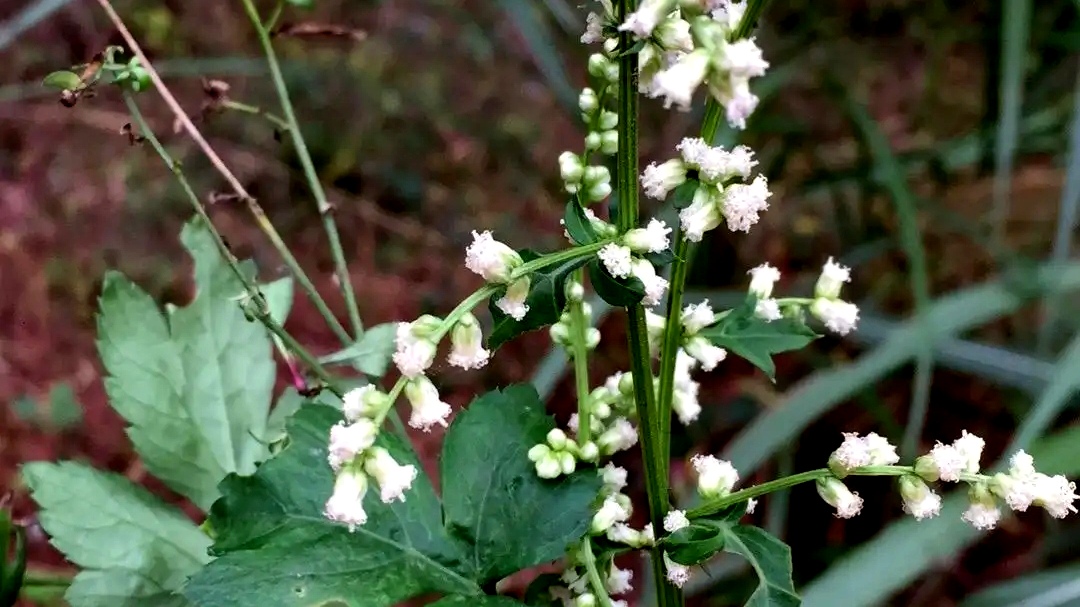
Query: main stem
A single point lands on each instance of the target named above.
(326, 211)
(651, 427)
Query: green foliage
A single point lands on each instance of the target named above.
(277, 550)
(195, 386)
(371, 355)
(577, 224)
(64, 80)
(546, 301)
(476, 601)
(619, 292)
(134, 550)
(748, 336)
(683, 196)
(11, 572)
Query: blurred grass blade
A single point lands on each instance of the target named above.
(544, 51)
(1066, 220)
(908, 548)
(821, 392)
(1015, 30)
(1054, 588)
(1063, 385)
(30, 16)
(892, 178)
(569, 20)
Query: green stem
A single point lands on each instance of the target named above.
(261, 309)
(271, 22)
(256, 111)
(599, 588)
(669, 351)
(579, 326)
(556, 258)
(326, 211)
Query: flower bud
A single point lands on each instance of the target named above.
(610, 512)
(601, 410)
(575, 292)
(538, 452)
(548, 466)
(837, 495)
(832, 279)
(587, 101)
(571, 169)
(592, 338)
(585, 600)
(598, 65)
(608, 120)
(560, 334)
(557, 439)
(365, 401)
(467, 344)
(593, 141)
(598, 191)
(611, 71)
(620, 436)
(609, 142)
(716, 477)
(589, 452)
(674, 35)
(597, 174)
(567, 462)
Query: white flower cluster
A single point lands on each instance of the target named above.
(621, 259)
(355, 458)
(687, 44)
(723, 193)
(1020, 488)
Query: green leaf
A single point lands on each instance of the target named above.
(683, 195)
(371, 355)
(619, 292)
(577, 224)
(510, 518)
(277, 550)
(279, 298)
(476, 601)
(63, 80)
(770, 558)
(546, 301)
(746, 335)
(134, 550)
(695, 544)
(1052, 588)
(65, 412)
(195, 387)
(11, 573)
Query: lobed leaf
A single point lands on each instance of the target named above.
(134, 550)
(749, 337)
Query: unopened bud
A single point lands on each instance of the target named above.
(589, 452)
(592, 338)
(557, 439)
(567, 462)
(575, 292)
(571, 169)
(538, 452)
(593, 141)
(598, 65)
(560, 334)
(608, 120)
(588, 101)
(609, 142)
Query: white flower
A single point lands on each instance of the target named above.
(512, 303)
(654, 328)
(728, 13)
(467, 341)
(675, 520)
(970, 448)
(837, 495)
(644, 20)
(673, 34)
(694, 151)
(767, 310)
(653, 238)
(491, 259)
(618, 580)
(706, 353)
(610, 512)
(751, 505)
(742, 204)
(919, 501)
(660, 179)
(685, 400)
(614, 477)
(393, 478)
(762, 280)
(882, 452)
(620, 436)
(853, 453)
(742, 59)
(619, 603)
(346, 504)
(655, 285)
(1055, 494)
(740, 161)
(696, 317)
(677, 83)
(716, 477)
(840, 317)
(365, 401)
(594, 31)
(428, 409)
(948, 461)
(702, 215)
(684, 365)
(571, 169)
(349, 440)
(648, 535)
(678, 575)
(1021, 464)
(982, 516)
(622, 533)
(832, 279)
(616, 259)
(739, 104)
(414, 354)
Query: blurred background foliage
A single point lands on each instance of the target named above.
(933, 146)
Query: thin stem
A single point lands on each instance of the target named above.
(271, 22)
(599, 588)
(256, 111)
(579, 327)
(261, 309)
(669, 351)
(234, 183)
(326, 211)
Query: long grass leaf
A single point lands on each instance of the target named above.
(1015, 30)
(1053, 588)
(908, 548)
(544, 51)
(895, 183)
(27, 18)
(821, 392)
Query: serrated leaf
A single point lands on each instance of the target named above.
(64, 80)
(134, 550)
(748, 336)
(770, 558)
(683, 195)
(511, 518)
(195, 387)
(277, 550)
(577, 224)
(371, 355)
(546, 301)
(619, 292)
